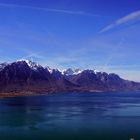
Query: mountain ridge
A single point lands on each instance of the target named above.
(27, 76)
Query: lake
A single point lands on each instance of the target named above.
(71, 116)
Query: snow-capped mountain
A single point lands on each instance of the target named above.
(49, 69)
(70, 71)
(36, 66)
(32, 65)
(25, 75)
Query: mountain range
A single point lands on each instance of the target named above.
(27, 76)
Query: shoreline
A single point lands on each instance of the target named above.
(24, 94)
(11, 95)
(34, 93)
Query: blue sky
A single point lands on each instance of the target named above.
(94, 34)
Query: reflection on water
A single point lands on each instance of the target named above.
(99, 116)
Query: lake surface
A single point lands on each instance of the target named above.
(83, 116)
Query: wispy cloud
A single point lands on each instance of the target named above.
(114, 53)
(31, 56)
(51, 10)
(134, 16)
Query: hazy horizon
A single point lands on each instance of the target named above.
(85, 34)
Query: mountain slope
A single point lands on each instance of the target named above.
(90, 80)
(27, 76)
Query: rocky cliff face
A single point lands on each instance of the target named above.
(29, 76)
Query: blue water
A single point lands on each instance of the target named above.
(71, 116)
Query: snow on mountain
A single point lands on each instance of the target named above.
(77, 71)
(32, 65)
(70, 71)
(96, 71)
(49, 69)
(66, 72)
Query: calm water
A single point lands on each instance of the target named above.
(84, 116)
